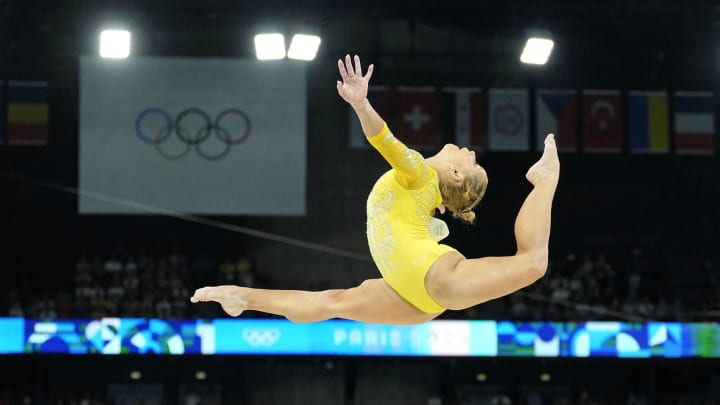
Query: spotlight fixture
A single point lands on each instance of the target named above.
(270, 46)
(115, 44)
(303, 47)
(537, 51)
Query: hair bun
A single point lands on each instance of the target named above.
(468, 216)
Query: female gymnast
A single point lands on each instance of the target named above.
(421, 278)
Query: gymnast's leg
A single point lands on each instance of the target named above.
(373, 301)
(458, 283)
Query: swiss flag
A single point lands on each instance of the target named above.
(416, 118)
(602, 121)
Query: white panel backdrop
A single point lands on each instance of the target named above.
(148, 135)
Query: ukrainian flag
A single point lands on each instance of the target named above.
(27, 113)
(648, 122)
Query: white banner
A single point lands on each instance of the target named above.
(508, 120)
(197, 136)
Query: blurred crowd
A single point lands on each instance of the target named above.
(142, 285)
(568, 395)
(627, 286)
(465, 395)
(118, 394)
(576, 287)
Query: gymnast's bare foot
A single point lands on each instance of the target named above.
(548, 167)
(230, 297)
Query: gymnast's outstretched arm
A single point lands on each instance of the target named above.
(411, 170)
(354, 89)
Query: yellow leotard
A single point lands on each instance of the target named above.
(399, 209)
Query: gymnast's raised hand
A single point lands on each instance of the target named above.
(354, 85)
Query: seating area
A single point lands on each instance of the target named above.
(625, 285)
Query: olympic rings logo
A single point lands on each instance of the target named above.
(261, 337)
(193, 127)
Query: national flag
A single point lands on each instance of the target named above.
(694, 122)
(602, 121)
(557, 112)
(418, 117)
(27, 113)
(648, 122)
(508, 128)
(467, 116)
(412, 113)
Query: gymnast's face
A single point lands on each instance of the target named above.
(464, 160)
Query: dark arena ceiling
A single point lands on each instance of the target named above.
(625, 43)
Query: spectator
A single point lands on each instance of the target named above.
(579, 286)
(244, 272)
(113, 265)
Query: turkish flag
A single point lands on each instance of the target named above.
(602, 121)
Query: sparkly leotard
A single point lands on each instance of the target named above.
(399, 209)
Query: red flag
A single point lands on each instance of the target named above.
(417, 118)
(478, 136)
(602, 121)
(468, 122)
(412, 113)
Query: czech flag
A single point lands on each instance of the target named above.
(557, 113)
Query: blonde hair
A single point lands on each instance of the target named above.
(461, 198)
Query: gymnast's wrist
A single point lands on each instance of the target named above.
(361, 106)
(383, 131)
